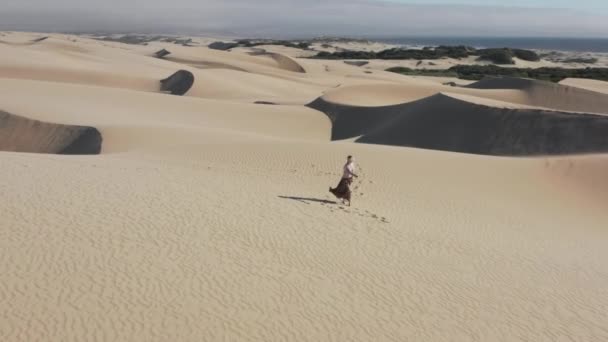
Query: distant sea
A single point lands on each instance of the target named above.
(553, 44)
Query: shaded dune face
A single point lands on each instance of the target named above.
(19, 134)
(39, 39)
(550, 95)
(26, 43)
(162, 53)
(179, 83)
(287, 63)
(442, 122)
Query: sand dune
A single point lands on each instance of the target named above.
(460, 123)
(550, 95)
(383, 94)
(18, 134)
(101, 65)
(22, 41)
(593, 85)
(112, 110)
(517, 91)
(287, 63)
(207, 217)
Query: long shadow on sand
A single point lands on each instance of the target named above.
(308, 200)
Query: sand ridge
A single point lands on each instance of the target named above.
(18, 134)
(469, 124)
(593, 85)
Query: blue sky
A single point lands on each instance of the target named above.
(306, 18)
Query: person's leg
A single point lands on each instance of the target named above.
(348, 191)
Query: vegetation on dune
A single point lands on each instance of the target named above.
(222, 46)
(423, 72)
(135, 39)
(286, 43)
(357, 63)
(584, 60)
(258, 42)
(526, 55)
(397, 53)
(497, 56)
(478, 72)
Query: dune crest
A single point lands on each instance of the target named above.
(592, 85)
(287, 63)
(19, 134)
(459, 123)
(550, 95)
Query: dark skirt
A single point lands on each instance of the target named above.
(342, 191)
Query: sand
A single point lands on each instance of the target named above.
(18, 134)
(593, 85)
(207, 217)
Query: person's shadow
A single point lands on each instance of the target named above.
(308, 200)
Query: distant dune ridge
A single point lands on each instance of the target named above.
(451, 123)
(18, 134)
(551, 122)
(550, 95)
(207, 216)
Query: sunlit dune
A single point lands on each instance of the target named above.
(185, 198)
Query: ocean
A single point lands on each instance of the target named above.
(553, 44)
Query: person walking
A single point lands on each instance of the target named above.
(342, 191)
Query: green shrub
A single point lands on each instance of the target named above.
(526, 55)
(584, 60)
(497, 56)
(400, 70)
(478, 72)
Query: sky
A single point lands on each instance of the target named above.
(307, 18)
(584, 5)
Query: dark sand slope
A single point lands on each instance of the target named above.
(287, 63)
(39, 39)
(179, 83)
(550, 95)
(161, 53)
(453, 123)
(26, 43)
(19, 134)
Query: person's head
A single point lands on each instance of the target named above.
(350, 159)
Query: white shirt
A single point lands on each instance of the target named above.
(349, 170)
